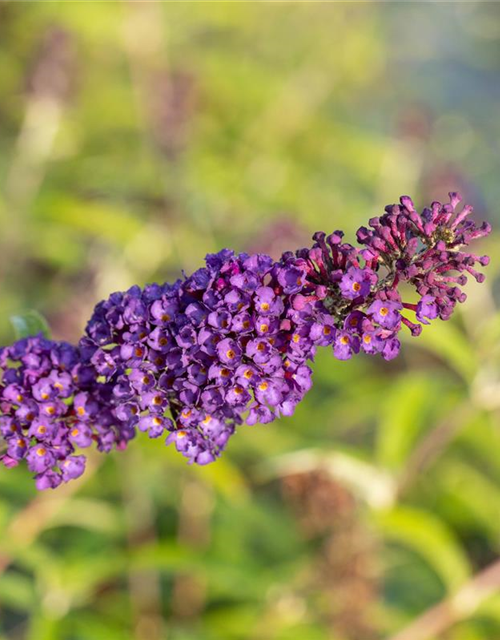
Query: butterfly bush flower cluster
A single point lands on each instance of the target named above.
(224, 342)
(51, 407)
(188, 362)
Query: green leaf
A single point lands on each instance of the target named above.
(431, 538)
(30, 323)
(448, 342)
(472, 494)
(17, 592)
(403, 417)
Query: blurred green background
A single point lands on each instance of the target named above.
(135, 138)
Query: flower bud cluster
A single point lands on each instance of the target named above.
(425, 250)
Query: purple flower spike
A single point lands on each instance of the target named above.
(231, 342)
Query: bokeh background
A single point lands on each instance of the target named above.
(135, 138)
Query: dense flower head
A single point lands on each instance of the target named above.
(190, 361)
(50, 403)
